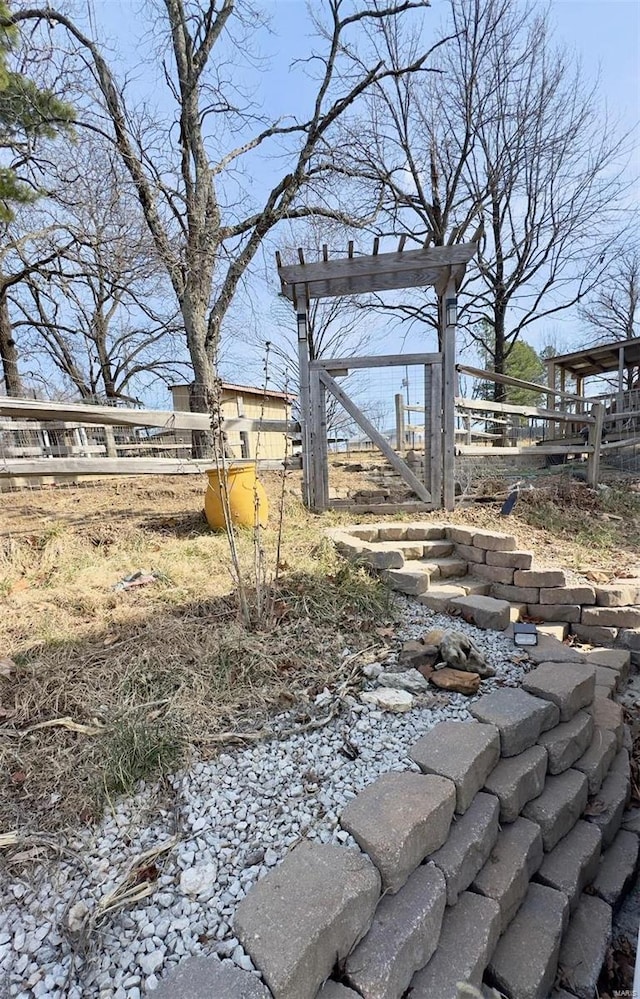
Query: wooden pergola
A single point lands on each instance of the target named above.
(440, 267)
(606, 359)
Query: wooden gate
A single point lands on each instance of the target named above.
(322, 379)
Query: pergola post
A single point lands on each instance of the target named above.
(448, 309)
(305, 402)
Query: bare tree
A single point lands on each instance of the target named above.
(612, 311)
(510, 135)
(98, 312)
(205, 239)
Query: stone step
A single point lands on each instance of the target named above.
(514, 860)
(584, 947)
(204, 977)
(446, 568)
(567, 742)
(439, 595)
(518, 716)
(554, 629)
(524, 963)
(294, 944)
(469, 935)
(403, 936)
(437, 550)
(471, 839)
(617, 869)
(596, 762)
(412, 579)
(606, 808)
(463, 752)
(559, 806)
(398, 820)
(570, 687)
(485, 612)
(615, 659)
(516, 780)
(573, 863)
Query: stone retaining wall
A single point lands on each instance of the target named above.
(499, 862)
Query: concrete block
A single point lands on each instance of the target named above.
(617, 869)
(519, 717)
(423, 531)
(607, 678)
(542, 578)
(618, 595)
(570, 687)
(567, 742)
(438, 598)
(631, 821)
(474, 587)
(616, 659)
(295, 945)
(568, 595)
(484, 612)
(621, 764)
(494, 573)
(406, 581)
(607, 807)
(515, 594)
(516, 780)
(629, 638)
(612, 617)
(447, 568)
(494, 541)
(596, 761)
(469, 935)
(334, 990)
(584, 947)
(378, 558)
(403, 936)
(436, 549)
(555, 629)
(461, 535)
(559, 806)
(471, 839)
(555, 612)
(573, 863)
(594, 635)
(510, 560)
(550, 650)
(206, 977)
(608, 714)
(515, 858)
(471, 554)
(398, 820)
(409, 549)
(362, 532)
(392, 532)
(601, 691)
(524, 963)
(463, 752)
(517, 612)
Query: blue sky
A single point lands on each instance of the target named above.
(604, 34)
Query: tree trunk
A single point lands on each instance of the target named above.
(203, 391)
(499, 362)
(9, 352)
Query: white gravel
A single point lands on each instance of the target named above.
(236, 817)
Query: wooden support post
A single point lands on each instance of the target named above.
(305, 409)
(427, 426)
(620, 399)
(435, 441)
(595, 441)
(400, 430)
(318, 443)
(245, 444)
(110, 442)
(448, 398)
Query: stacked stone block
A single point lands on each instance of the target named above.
(419, 558)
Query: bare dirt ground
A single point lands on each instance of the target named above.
(102, 687)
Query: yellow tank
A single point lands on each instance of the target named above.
(244, 491)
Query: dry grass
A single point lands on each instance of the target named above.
(167, 669)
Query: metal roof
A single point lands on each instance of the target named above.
(600, 359)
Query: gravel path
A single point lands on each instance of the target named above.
(235, 818)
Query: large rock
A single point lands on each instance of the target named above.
(518, 779)
(569, 687)
(388, 699)
(525, 962)
(584, 947)
(470, 841)
(409, 679)
(559, 806)
(519, 717)
(208, 978)
(573, 863)
(293, 943)
(514, 860)
(462, 751)
(461, 652)
(398, 820)
(484, 612)
(469, 935)
(566, 743)
(455, 679)
(403, 936)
